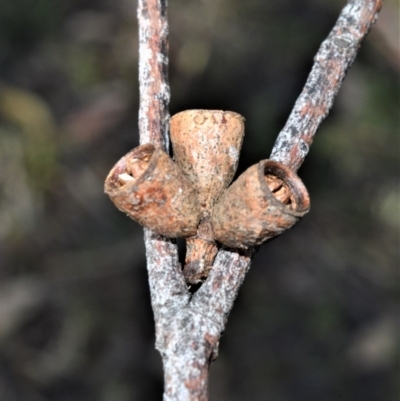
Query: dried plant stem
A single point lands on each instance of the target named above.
(188, 327)
(167, 285)
(331, 63)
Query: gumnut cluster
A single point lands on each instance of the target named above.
(190, 198)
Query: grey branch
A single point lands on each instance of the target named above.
(188, 327)
(331, 63)
(167, 285)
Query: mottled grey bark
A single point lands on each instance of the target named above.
(188, 327)
(331, 63)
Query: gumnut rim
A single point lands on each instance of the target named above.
(299, 198)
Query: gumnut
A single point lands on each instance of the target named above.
(266, 200)
(150, 188)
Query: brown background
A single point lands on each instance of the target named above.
(317, 316)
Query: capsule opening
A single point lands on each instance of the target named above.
(279, 188)
(130, 168)
(138, 161)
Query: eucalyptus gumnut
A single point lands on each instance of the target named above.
(151, 189)
(266, 200)
(206, 146)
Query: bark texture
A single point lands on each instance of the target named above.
(331, 63)
(188, 327)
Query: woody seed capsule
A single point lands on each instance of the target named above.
(266, 200)
(206, 146)
(148, 186)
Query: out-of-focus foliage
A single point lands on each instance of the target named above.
(316, 317)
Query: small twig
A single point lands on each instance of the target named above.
(153, 73)
(331, 63)
(188, 329)
(167, 285)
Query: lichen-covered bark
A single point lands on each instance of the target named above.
(167, 285)
(191, 344)
(188, 327)
(153, 73)
(331, 63)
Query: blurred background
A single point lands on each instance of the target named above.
(317, 317)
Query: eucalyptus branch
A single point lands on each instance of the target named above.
(188, 328)
(167, 285)
(331, 63)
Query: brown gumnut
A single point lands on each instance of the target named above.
(148, 186)
(266, 200)
(206, 145)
